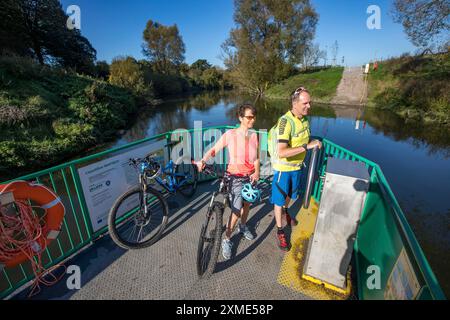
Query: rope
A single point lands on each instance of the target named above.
(19, 233)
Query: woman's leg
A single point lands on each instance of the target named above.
(231, 224)
(244, 212)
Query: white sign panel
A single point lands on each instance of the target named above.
(104, 181)
(402, 283)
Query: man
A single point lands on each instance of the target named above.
(293, 134)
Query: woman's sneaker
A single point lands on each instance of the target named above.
(226, 248)
(246, 232)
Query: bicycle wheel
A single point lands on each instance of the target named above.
(128, 224)
(209, 241)
(187, 174)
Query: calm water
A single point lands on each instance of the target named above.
(414, 159)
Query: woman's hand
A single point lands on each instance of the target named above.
(254, 177)
(200, 165)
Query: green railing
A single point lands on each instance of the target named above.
(383, 233)
(77, 232)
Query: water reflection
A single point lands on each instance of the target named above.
(219, 108)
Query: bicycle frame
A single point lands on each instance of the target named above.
(223, 189)
(170, 183)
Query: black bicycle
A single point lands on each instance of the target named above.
(212, 228)
(139, 216)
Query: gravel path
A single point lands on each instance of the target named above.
(352, 88)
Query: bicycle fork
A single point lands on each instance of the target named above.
(143, 197)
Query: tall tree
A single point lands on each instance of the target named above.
(163, 46)
(426, 22)
(13, 36)
(269, 39)
(38, 28)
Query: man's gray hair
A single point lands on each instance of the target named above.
(295, 95)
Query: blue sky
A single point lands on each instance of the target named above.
(115, 27)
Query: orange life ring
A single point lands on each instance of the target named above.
(46, 199)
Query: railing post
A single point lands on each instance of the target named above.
(82, 201)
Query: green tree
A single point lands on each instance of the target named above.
(196, 71)
(13, 37)
(269, 39)
(37, 28)
(126, 72)
(426, 22)
(201, 64)
(163, 46)
(211, 78)
(102, 70)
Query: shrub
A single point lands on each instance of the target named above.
(127, 73)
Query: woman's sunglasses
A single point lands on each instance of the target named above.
(250, 117)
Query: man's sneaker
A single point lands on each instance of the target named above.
(246, 232)
(226, 248)
(282, 242)
(289, 221)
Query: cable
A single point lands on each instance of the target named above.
(19, 233)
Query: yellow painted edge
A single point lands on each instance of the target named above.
(345, 291)
(290, 274)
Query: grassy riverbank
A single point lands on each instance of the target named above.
(49, 114)
(415, 87)
(322, 84)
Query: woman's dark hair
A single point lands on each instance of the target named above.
(245, 106)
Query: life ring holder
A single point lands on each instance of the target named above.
(45, 199)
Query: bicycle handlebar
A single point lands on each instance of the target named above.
(136, 161)
(208, 169)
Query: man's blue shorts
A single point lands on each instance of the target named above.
(284, 184)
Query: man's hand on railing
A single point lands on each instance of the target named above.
(313, 144)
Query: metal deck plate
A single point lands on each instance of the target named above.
(331, 247)
(167, 269)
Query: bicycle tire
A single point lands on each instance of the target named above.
(206, 264)
(192, 189)
(113, 227)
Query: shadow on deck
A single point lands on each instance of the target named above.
(167, 270)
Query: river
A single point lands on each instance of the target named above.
(414, 158)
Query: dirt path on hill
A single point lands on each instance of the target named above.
(352, 90)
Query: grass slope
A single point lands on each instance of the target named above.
(322, 84)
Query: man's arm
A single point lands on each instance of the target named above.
(285, 152)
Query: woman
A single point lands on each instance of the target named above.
(243, 167)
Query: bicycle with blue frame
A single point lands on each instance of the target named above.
(139, 216)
